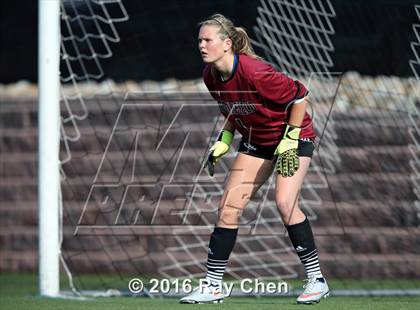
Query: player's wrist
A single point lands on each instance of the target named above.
(226, 137)
(292, 132)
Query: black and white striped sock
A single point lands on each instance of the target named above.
(303, 241)
(311, 263)
(221, 244)
(215, 270)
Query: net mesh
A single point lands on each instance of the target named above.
(414, 111)
(132, 154)
(87, 34)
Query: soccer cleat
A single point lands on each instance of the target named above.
(315, 289)
(204, 295)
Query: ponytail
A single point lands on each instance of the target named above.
(242, 43)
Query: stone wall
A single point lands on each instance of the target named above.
(366, 226)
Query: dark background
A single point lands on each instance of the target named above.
(159, 40)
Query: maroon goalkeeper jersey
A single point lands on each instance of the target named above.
(257, 100)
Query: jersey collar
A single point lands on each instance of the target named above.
(235, 66)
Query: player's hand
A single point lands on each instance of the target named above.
(220, 148)
(287, 156)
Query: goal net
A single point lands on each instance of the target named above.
(138, 202)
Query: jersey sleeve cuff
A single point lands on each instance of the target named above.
(297, 101)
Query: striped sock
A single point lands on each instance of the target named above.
(311, 263)
(222, 241)
(303, 241)
(215, 270)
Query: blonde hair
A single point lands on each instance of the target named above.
(241, 44)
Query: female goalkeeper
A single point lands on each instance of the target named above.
(269, 110)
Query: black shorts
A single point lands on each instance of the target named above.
(305, 148)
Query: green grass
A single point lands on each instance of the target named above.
(20, 292)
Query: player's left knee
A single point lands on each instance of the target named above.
(286, 207)
(284, 203)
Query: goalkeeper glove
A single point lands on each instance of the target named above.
(220, 148)
(288, 160)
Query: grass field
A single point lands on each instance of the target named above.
(20, 292)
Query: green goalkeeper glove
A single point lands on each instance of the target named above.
(288, 160)
(220, 148)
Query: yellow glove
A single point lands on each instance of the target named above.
(220, 148)
(288, 160)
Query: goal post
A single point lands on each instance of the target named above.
(48, 146)
(97, 200)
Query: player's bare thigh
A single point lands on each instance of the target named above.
(287, 193)
(246, 176)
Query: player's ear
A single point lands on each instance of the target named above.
(227, 44)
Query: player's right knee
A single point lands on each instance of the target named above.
(229, 216)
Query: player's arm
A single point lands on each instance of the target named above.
(229, 126)
(297, 112)
(290, 93)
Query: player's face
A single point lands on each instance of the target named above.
(210, 45)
